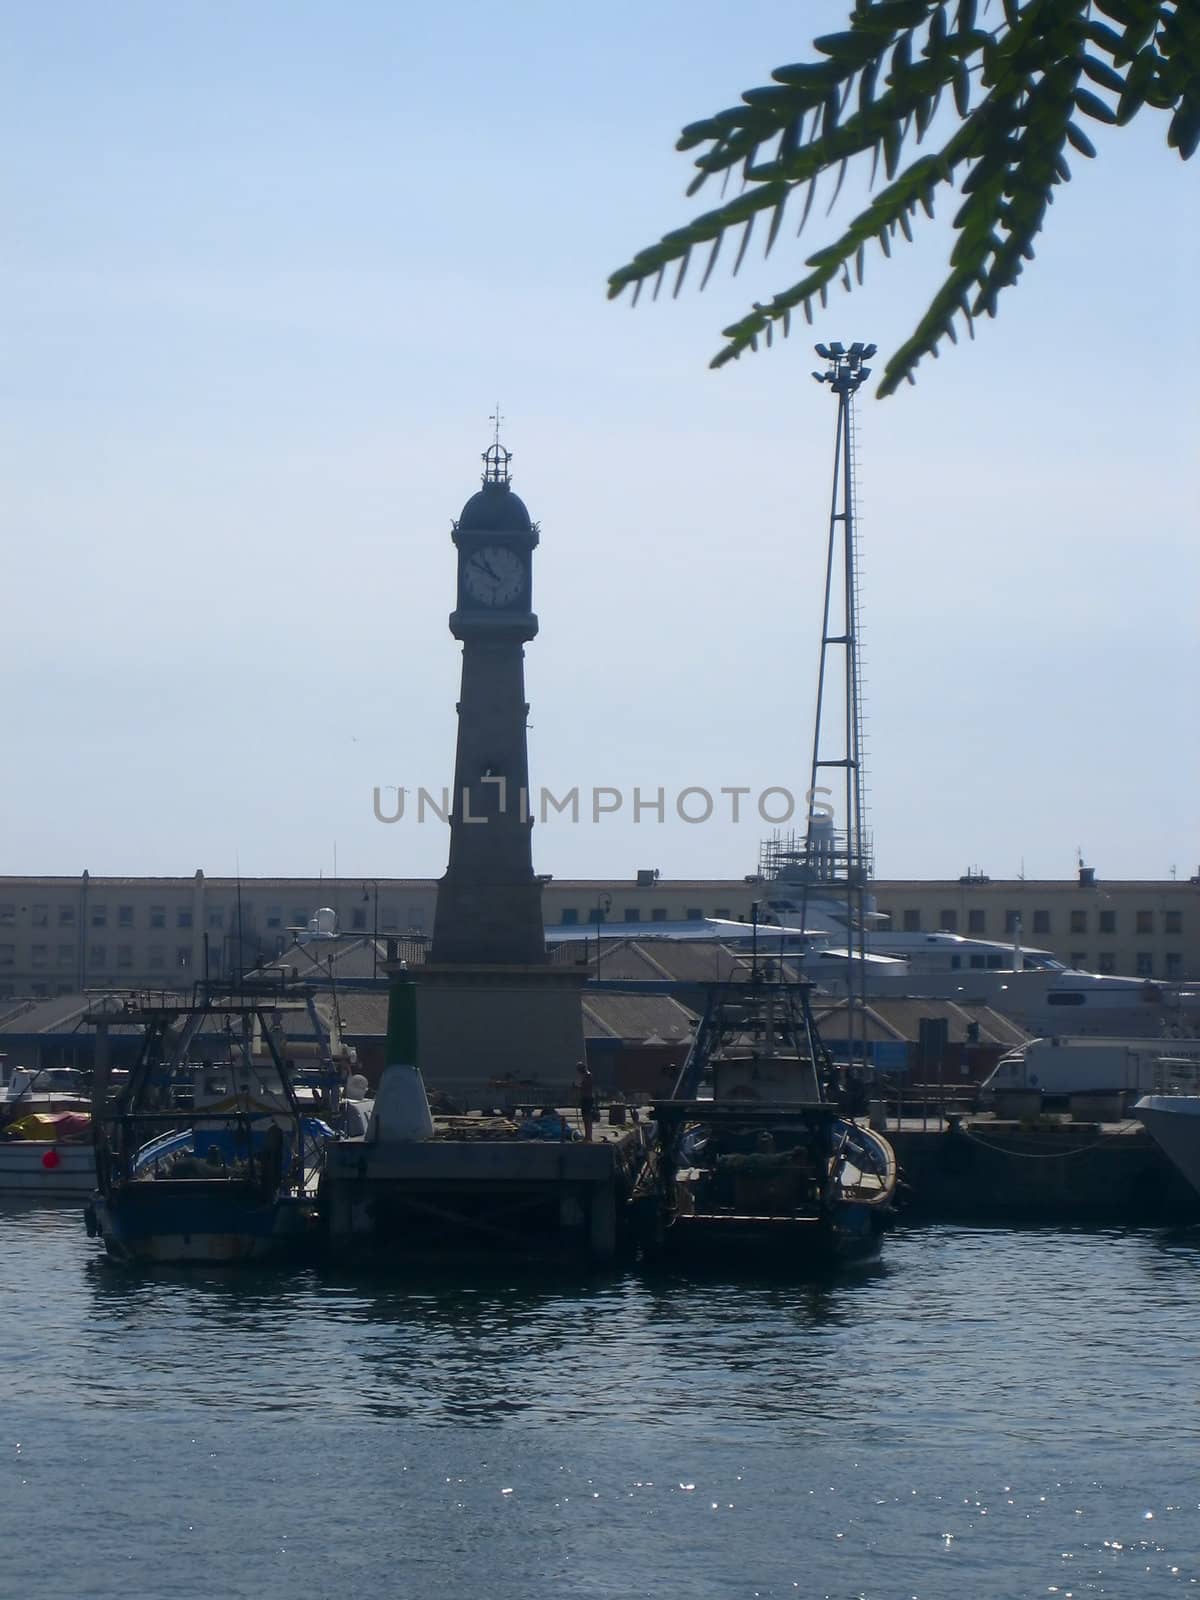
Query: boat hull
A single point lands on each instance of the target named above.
(854, 1236)
(1173, 1122)
(215, 1221)
(42, 1168)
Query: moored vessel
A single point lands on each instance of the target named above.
(207, 1152)
(770, 1171)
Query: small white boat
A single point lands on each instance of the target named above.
(48, 1154)
(45, 1134)
(48, 1089)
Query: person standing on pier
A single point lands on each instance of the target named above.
(585, 1086)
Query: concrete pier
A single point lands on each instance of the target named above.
(477, 1189)
(1051, 1170)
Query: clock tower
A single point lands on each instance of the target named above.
(498, 1023)
(489, 907)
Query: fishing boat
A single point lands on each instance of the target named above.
(771, 1170)
(208, 1152)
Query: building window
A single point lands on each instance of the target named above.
(977, 921)
(216, 916)
(1145, 964)
(8, 915)
(1172, 921)
(158, 916)
(124, 916)
(156, 958)
(723, 911)
(99, 916)
(299, 920)
(948, 921)
(885, 924)
(39, 954)
(1041, 922)
(40, 916)
(1108, 923)
(695, 913)
(40, 990)
(1108, 961)
(389, 921)
(912, 921)
(358, 919)
(8, 955)
(65, 955)
(597, 915)
(1079, 922)
(633, 913)
(97, 956)
(569, 917)
(183, 917)
(1012, 920)
(124, 955)
(66, 916)
(183, 955)
(1079, 960)
(659, 914)
(1144, 922)
(416, 917)
(1174, 963)
(274, 917)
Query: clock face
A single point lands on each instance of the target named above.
(494, 575)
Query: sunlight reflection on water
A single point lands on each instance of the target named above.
(991, 1412)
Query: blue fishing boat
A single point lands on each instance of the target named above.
(212, 1149)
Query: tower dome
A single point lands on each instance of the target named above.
(495, 509)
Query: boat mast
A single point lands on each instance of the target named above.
(840, 857)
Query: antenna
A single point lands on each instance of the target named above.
(824, 851)
(241, 972)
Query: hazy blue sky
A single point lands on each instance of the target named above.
(268, 268)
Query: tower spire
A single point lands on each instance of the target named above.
(496, 458)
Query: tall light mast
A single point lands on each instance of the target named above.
(840, 855)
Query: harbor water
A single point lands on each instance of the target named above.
(990, 1412)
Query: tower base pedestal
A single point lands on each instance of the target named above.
(500, 1035)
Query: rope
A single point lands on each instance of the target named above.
(1043, 1155)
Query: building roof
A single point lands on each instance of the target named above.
(900, 1019)
(345, 955)
(65, 1013)
(637, 1018)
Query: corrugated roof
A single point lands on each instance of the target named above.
(900, 1019)
(64, 1013)
(637, 1017)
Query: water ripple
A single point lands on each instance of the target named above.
(994, 1412)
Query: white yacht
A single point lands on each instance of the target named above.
(1031, 986)
(1173, 1122)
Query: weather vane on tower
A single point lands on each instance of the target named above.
(496, 458)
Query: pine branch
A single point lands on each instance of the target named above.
(1020, 99)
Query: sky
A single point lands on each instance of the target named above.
(268, 270)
